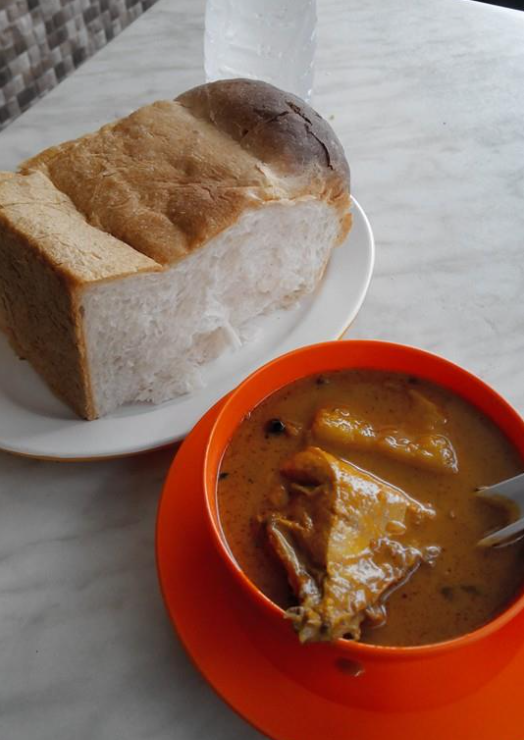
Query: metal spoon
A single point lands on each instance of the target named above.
(510, 494)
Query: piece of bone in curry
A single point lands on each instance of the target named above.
(345, 538)
(423, 448)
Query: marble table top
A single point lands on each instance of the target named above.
(427, 98)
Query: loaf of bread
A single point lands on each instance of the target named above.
(131, 256)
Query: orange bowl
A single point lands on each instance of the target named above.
(435, 672)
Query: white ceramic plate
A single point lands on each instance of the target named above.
(33, 422)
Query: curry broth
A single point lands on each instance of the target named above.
(466, 586)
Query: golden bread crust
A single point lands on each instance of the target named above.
(174, 174)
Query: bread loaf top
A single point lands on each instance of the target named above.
(34, 213)
(174, 174)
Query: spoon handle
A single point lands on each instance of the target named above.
(505, 536)
(512, 489)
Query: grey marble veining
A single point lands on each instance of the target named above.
(428, 100)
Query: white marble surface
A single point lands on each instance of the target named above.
(428, 99)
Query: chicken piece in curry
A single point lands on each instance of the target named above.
(344, 538)
(349, 500)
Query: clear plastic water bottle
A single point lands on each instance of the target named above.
(271, 40)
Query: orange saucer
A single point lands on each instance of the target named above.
(230, 644)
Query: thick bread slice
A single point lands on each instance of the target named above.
(147, 335)
(132, 255)
(48, 253)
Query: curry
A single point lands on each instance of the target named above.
(349, 500)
